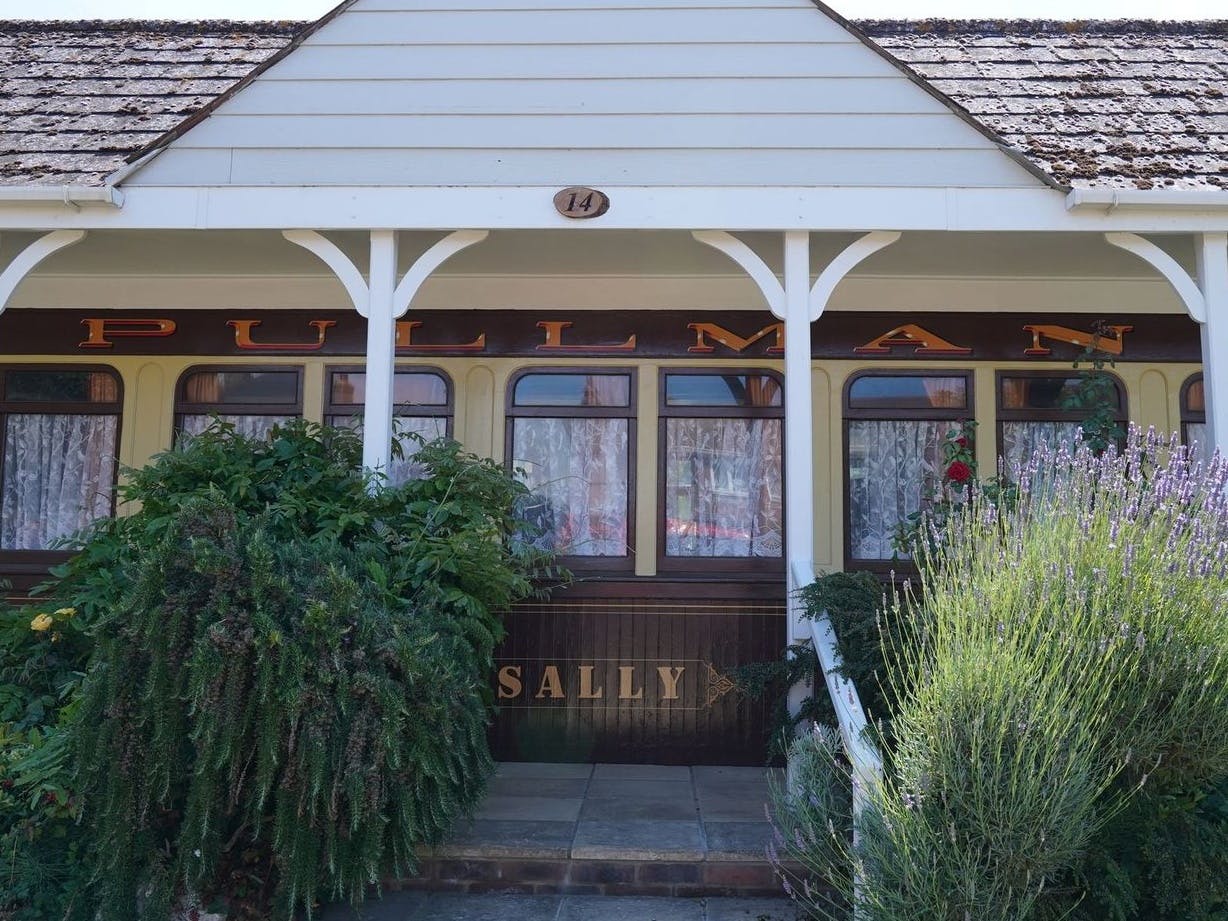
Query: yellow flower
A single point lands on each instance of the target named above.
(65, 612)
(41, 622)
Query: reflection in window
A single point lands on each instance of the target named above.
(252, 401)
(61, 431)
(723, 435)
(1194, 418)
(1038, 412)
(894, 431)
(570, 442)
(421, 410)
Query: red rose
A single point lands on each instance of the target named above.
(962, 441)
(959, 472)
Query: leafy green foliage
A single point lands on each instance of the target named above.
(290, 681)
(854, 602)
(1095, 398)
(1059, 708)
(42, 650)
(1164, 857)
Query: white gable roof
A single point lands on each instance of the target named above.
(595, 92)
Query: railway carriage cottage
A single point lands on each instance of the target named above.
(717, 276)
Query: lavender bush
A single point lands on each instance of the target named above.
(1063, 657)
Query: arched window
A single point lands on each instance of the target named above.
(721, 469)
(1040, 408)
(61, 437)
(571, 437)
(895, 425)
(253, 400)
(422, 408)
(1194, 416)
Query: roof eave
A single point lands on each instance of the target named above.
(1148, 199)
(72, 195)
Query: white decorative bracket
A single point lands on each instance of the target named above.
(356, 285)
(1187, 289)
(773, 291)
(382, 298)
(850, 257)
(16, 271)
(748, 259)
(331, 255)
(428, 262)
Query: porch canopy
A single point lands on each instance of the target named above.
(402, 153)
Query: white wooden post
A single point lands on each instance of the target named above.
(799, 428)
(1212, 251)
(1206, 301)
(381, 353)
(382, 299)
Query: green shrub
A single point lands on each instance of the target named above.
(42, 650)
(854, 601)
(290, 680)
(1063, 667)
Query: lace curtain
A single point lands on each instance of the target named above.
(1196, 437)
(723, 487)
(577, 470)
(251, 426)
(59, 475)
(405, 468)
(1021, 439)
(891, 466)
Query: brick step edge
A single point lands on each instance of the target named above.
(686, 879)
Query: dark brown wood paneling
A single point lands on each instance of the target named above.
(634, 680)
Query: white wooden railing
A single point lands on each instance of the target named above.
(864, 758)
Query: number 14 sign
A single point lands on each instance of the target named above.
(581, 203)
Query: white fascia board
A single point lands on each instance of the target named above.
(69, 195)
(633, 208)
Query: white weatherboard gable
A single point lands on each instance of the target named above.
(596, 92)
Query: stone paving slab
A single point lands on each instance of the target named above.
(441, 906)
(644, 839)
(508, 838)
(647, 805)
(543, 769)
(531, 808)
(746, 805)
(737, 840)
(641, 772)
(562, 787)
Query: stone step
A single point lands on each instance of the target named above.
(687, 879)
(611, 829)
(451, 906)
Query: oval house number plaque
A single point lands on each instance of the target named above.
(580, 203)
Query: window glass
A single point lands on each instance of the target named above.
(1194, 418)
(894, 431)
(723, 474)
(722, 390)
(60, 386)
(409, 388)
(59, 463)
(1037, 411)
(573, 390)
(1040, 393)
(421, 412)
(573, 450)
(241, 387)
(251, 400)
(878, 391)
